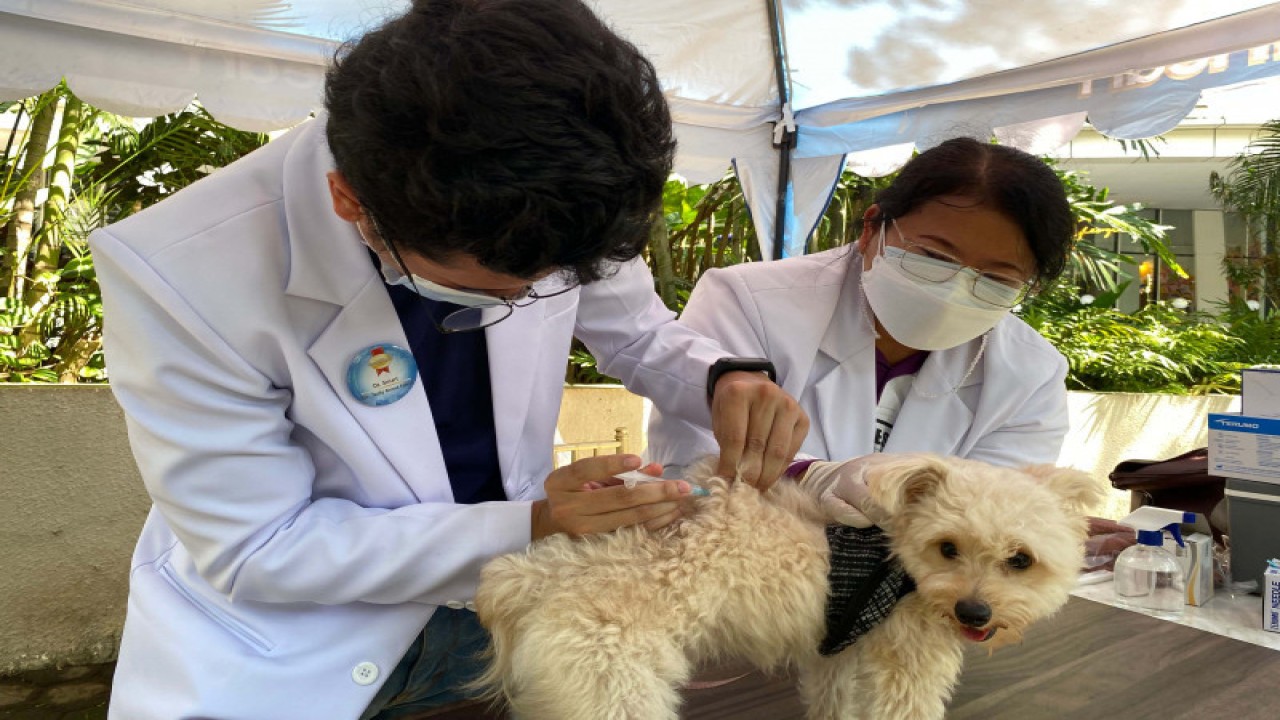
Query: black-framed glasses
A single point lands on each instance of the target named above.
(473, 317)
(936, 266)
(467, 319)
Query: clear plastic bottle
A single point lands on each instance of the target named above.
(1149, 578)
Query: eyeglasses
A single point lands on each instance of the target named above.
(933, 265)
(478, 317)
(468, 319)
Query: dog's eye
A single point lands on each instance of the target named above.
(948, 550)
(1020, 561)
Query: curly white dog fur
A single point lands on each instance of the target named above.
(611, 626)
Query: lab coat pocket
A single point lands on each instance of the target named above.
(209, 609)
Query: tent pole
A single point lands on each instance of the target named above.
(784, 133)
(780, 209)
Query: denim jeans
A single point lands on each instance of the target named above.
(444, 656)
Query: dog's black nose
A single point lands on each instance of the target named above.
(973, 612)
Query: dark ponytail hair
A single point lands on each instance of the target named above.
(1015, 183)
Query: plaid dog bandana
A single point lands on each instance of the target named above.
(864, 585)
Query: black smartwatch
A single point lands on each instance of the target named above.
(732, 364)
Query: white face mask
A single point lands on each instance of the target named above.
(440, 293)
(921, 314)
(392, 275)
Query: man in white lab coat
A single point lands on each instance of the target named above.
(341, 362)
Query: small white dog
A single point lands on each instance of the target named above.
(611, 626)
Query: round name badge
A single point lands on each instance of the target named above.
(381, 374)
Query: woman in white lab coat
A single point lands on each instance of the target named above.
(905, 342)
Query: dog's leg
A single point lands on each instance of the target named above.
(832, 688)
(602, 674)
(912, 662)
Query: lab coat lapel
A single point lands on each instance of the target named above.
(404, 430)
(844, 386)
(934, 417)
(329, 263)
(515, 348)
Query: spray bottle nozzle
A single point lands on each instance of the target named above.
(1150, 522)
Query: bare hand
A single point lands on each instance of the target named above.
(758, 425)
(584, 498)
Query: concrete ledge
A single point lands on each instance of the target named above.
(592, 412)
(1108, 428)
(71, 506)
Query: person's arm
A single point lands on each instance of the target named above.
(714, 310)
(757, 426)
(213, 441)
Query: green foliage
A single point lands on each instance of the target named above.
(1145, 147)
(137, 167)
(704, 227)
(709, 226)
(100, 169)
(582, 368)
(1252, 188)
(1100, 219)
(1157, 349)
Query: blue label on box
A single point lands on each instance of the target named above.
(1244, 424)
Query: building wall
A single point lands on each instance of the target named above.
(1172, 183)
(71, 506)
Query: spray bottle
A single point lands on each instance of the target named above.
(1148, 577)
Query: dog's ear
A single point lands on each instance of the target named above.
(895, 482)
(1079, 490)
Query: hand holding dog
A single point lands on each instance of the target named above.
(841, 489)
(584, 498)
(758, 426)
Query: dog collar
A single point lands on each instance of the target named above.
(864, 585)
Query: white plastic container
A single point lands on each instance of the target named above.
(1148, 577)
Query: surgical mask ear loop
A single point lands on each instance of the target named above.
(404, 269)
(868, 314)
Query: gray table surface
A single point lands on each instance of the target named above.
(1089, 662)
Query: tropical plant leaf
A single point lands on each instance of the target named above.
(121, 166)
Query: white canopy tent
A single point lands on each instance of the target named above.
(865, 82)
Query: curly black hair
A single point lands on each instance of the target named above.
(1014, 182)
(523, 133)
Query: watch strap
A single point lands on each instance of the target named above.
(736, 364)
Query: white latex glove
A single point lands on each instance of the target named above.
(841, 490)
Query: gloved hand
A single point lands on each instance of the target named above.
(841, 490)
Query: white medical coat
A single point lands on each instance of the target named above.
(808, 316)
(300, 540)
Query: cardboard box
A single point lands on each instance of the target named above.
(1271, 599)
(1260, 392)
(1196, 558)
(1244, 446)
